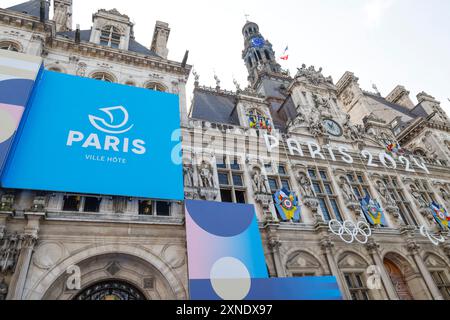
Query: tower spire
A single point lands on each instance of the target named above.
(258, 53)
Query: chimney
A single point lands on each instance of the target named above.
(77, 34)
(401, 97)
(160, 39)
(42, 10)
(431, 105)
(185, 59)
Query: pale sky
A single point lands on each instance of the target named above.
(384, 42)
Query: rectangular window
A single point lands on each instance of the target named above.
(441, 281)
(325, 192)
(237, 180)
(92, 204)
(71, 203)
(145, 207)
(282, 170)
(337, 212)
(226, 195)
(285, 183)
(221, 163)
(240, 196)
(235, 165)
(163, 208)
(223, 179)
(273, 184)
(325, 211)
(355, 284)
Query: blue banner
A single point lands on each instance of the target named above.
(88, 136)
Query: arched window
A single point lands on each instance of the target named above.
(55, 69)
(10, 46)
(156, 86)
(420, 153)
(110, 36)
(103, 76)
(110, 290)
(267, 54)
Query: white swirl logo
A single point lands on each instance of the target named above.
(109, 126)
(433, 238)
(350, 232)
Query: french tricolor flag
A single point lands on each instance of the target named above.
(285, 55)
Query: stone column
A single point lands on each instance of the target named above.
(28, 241)
(413, 248)
(327, 249)
(274, 245)
(373, 249)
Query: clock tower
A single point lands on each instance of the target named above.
(258, 54)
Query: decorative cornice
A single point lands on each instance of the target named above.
(91, 49)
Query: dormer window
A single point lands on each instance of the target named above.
(9, 46)
(257, 120)
(102, 76)
(156, 86)
(110, 37)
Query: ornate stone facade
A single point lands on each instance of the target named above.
(327, 134)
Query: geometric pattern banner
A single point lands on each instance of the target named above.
(18, 73)
(226, 258)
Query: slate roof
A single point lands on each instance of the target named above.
(133, 46)
(214, 107)
(414, 113)
(33, 8)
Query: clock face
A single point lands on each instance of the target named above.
(332, 127)
(258, 42)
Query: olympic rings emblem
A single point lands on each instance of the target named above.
(350, 232)
(434, 240)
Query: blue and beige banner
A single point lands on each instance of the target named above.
(226, 259)
(18, 73)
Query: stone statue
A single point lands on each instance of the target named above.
(206, 176)
(3, 290)
(315, 124)
(305, 186)
(352, 132)
(188, 176)
(259, 182)
(347, 191)
(236, 84)
(445, 195)
(385, 194)
(321, 102)
(418, 197)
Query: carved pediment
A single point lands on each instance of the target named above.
(303, 260)
(351, 260)
(433, 261)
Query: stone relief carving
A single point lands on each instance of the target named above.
(315, 124)
(3, 290)
(313, 76)
(81, 70)
(419, 199)
(304, 183)
(321, 102)
(259, 182)
(387, 200)
(307, 194)
(347, 97)
(206, 175)
(188, 174)
(7, 202)
(445, 196)
(350, 198)
(352, 131)
(9, 252)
